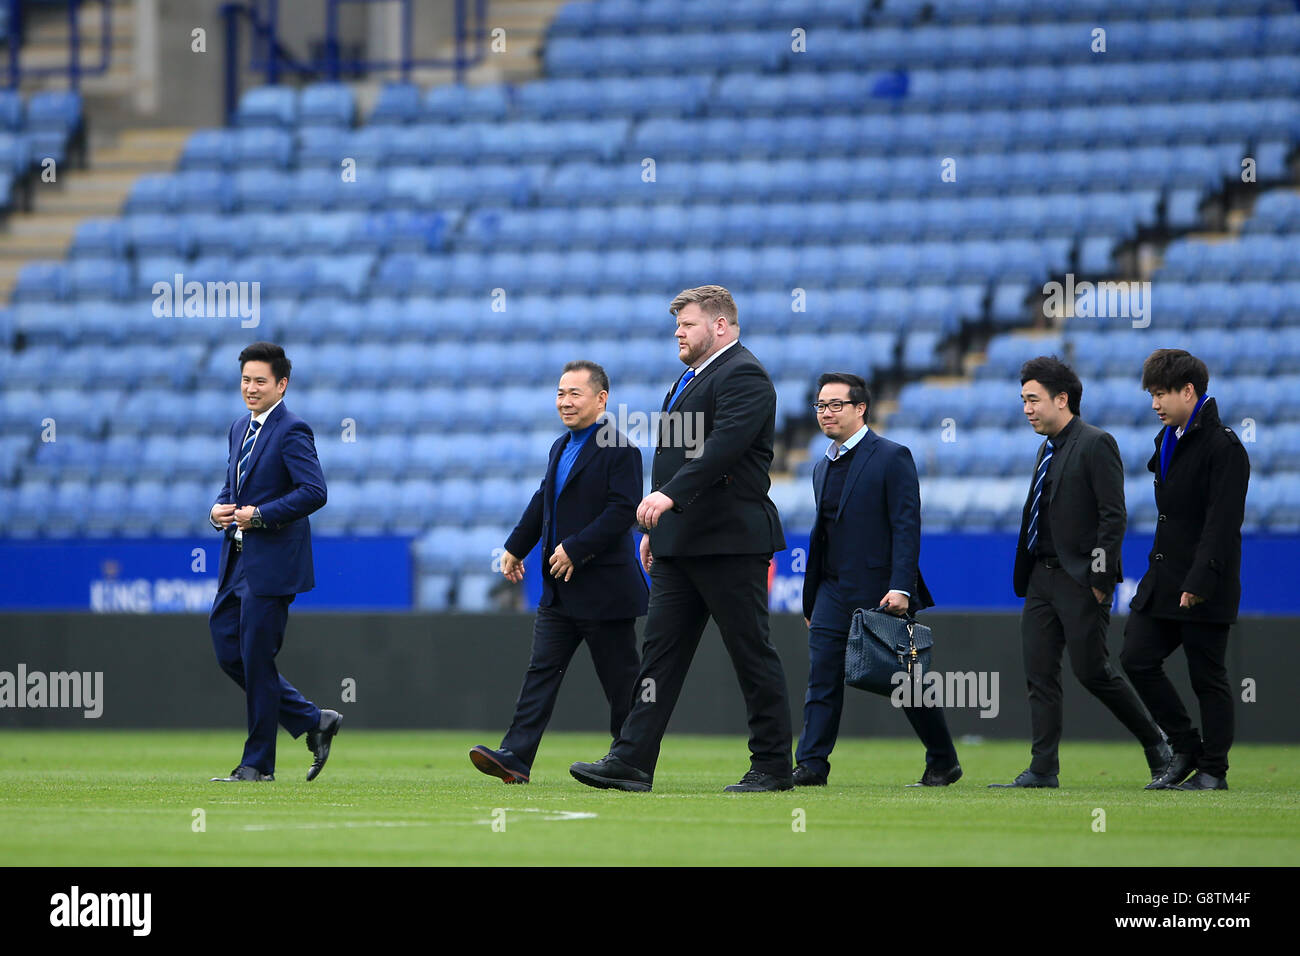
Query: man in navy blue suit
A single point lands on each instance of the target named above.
(592, 589)
(863, 552)
(273, 482)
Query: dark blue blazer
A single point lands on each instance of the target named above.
(285, 481)
(880, 524)
(593, 519)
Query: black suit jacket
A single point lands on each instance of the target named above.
(1085, 495)
(593, 520)
(1201, 505)
(880, 519)
(719, 484)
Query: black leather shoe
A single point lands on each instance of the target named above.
(805, 776)
(318, 740)
(499, 763)
(1158, 758)
(610, 773)
(1029, 779)
(1203, 781)
(756, 781)
(1174, 772)
(242, 774)
(939, 778)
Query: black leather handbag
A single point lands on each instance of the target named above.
(882, 644)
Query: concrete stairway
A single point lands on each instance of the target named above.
(525, 23)
(115, 161)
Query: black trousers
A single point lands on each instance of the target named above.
(1062, 615)
(555, 638)
(684, 593)
(247, 633)
(828, 639)
(1147, 642)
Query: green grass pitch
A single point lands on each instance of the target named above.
(412, 798)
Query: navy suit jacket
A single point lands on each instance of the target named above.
(879, 524)
(593, 519)
(284, 480)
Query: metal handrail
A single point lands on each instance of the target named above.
(74, 70)
(262, 16)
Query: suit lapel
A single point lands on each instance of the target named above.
(263, 437)
(585, 454)
(713, 366)
(552, 466)
(237, 433)
(1062, 457)
(820, 471)
(866, 448)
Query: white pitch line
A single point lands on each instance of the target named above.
(551, 816)
(348, 825)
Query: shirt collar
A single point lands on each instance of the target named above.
(705, 364)
(834, 451)
(261, 419)
(1064, 434)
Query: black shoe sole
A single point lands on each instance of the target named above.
(609, 783)
(494, 768)
(1024, 786)
(736, 788)
(314, 771)
(953, 777)
(1169, 783)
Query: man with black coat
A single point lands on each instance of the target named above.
(1067, 565)
(592, 589)
(1190, 593)
(712, 533)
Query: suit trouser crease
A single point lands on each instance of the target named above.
(247, 633)
(1062, 615)
(828, 638)
(556, 637)
(685, 592)
(1148, 642)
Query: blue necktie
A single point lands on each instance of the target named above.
(253, 426)
(681, 384)
(1039, 477)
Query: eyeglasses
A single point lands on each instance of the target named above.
(836, 405)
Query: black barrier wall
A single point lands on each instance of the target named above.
(462, 672)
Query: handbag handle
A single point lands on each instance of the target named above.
(909, 617)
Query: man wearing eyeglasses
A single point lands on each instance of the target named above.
(863, 552)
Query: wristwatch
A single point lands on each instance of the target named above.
(257, 521)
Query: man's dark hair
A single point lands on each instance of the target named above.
(1170, 369)
(858, 391)
(267, 352)
(599, 380)
(1056, 377)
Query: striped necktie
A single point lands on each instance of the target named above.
(1039, 477)
(253, 427)
(690, 374)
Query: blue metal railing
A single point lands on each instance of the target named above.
(74, 70)
(269, 56)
